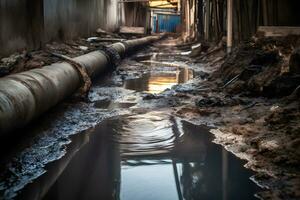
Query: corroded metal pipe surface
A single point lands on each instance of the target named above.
(25, 96)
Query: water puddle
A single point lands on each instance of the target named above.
(149, 155)
(145, 156)
(160, 79)
(109, 104)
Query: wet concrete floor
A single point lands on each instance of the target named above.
(130, 155)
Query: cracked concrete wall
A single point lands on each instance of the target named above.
(28, 24)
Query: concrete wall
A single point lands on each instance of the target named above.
(26, 24)
(66, 19)
(136, 14)
(288, 13)
(20, 24)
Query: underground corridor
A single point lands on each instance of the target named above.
(149, 99)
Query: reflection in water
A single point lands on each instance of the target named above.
(159, 80)
(145, 135)
(148, 182)
(152, 156)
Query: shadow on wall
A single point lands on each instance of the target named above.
(28, 24)
(20, 24)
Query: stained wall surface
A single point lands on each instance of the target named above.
(28, 24)
(21, 24)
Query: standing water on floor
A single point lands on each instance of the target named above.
(162, 76)
(144, 156)
(150, 156)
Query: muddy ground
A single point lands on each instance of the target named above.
(249, 98)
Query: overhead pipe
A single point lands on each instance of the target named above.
(25, 96)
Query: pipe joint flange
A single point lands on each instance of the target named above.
(112, 55)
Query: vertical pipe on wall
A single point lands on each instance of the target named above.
(229, 25)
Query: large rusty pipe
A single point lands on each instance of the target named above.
(25, 96)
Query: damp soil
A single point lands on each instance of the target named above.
(126, 143)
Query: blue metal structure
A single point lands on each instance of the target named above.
(166, 22)
(154, 24)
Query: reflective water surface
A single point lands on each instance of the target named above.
(159, 79)
(147, 156)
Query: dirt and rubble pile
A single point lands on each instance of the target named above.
(263, 67)
(265, 131)
(26, 59)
